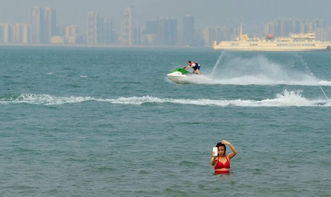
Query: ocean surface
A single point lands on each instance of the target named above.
(107, 122)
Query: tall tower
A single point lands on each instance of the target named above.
(20, 33)
(50, 23)
(128, 27)
(188, 30)
(92, 27)
(99, 29)
(37, 17)
(5, 33)
(151, 32)
(105, 31)
(43, 24)
(167, 32)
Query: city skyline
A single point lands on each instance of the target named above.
(210, 12)
(43, 27)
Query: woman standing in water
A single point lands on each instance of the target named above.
(221, 161)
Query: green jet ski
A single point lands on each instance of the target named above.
(180, 75)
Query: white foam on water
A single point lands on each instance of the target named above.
(259, 70)
(44, 99)
(324, 83)
(284, 99)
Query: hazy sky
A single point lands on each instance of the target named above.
(206, 12)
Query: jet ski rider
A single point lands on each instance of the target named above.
(194, 65)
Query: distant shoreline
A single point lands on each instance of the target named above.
(99, 46)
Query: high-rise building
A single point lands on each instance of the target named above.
(167, 31)
(188, 31)
(324, 33)
(20, 33)
(151, 27)
(150, 32)
(37, 23)
(5, 33)
(218, 33)
(99, 29)
(50, 23)
(286, 26)
(161, 32)
(105, 31)
(16, 36)
(92, 26)
(128, 33)
(71, 34)
(43, 23)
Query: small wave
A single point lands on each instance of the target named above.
(284, 99)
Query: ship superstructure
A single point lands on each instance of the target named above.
(295, 42)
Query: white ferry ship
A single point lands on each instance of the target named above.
(295, 42)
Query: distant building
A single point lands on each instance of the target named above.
(43, 24)
(323, 33)
(37, 23)
(217, 33)
(188, 31)
(5, 33)
(150, 33)
(92, 27)
(167, 31)
(20, 33)
(286, 26)
(50, 23)
(56, 40)
(71, 34)
(105, 31)
(128, 28)
(99, 29)
(160, 32)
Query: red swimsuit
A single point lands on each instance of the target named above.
(220, 165)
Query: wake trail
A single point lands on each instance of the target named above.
(284, 99)
(258, 70)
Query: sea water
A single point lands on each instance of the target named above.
(107, 122)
